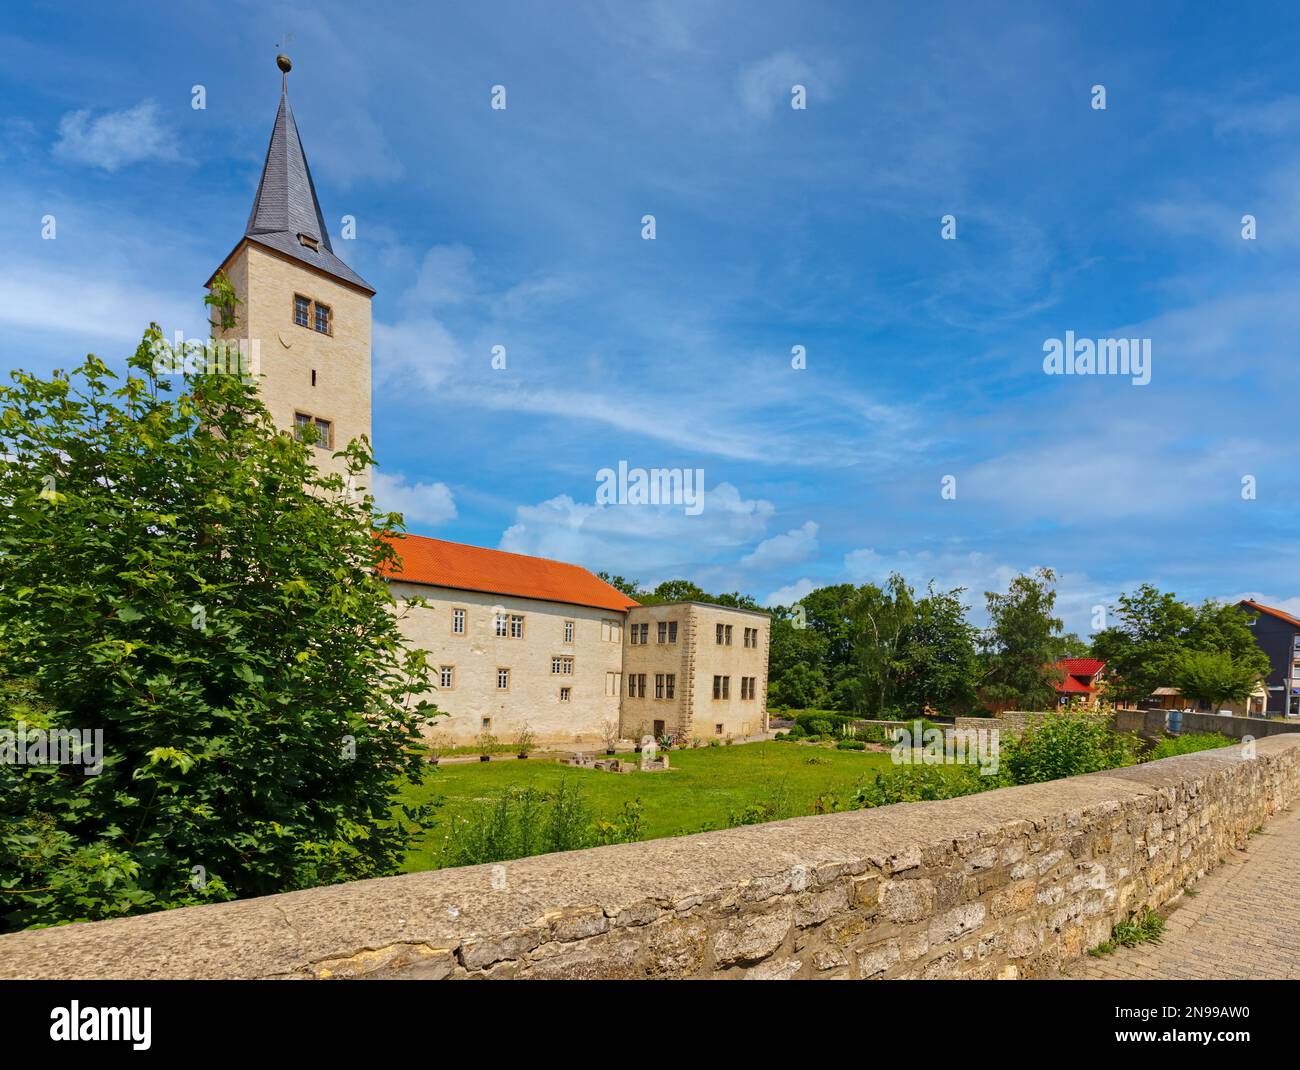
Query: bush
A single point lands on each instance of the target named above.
(918, 783)
(850, 744)
(1066, 744)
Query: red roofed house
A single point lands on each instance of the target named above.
(518, 640)
(1079, 680)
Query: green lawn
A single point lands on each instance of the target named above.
(702, 789)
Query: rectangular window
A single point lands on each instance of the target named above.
(486, 724)
(446, 676)
(717, 729)
(663, 631)
(726, 687)
(672, 631)
(640, 683)
(613, 684)
(562, 665)
(611, 631)
(568, 631)
(718, 635)
(670, 685)
(631, 685)
(722, 687)
(631, 635)
(457, 622)
(645, 634)
(565, 693)
(728, 635)
(516, 627)
(503, 679)
(717, 687)
(502, 625)
(659, 685)
(301, 311)
(324, 429)
(322, 318)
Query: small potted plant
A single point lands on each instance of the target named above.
(610, 731)
(639, 735)
(487, 744)
(526, 743)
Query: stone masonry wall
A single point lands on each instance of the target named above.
(1151, 723)
(1011, 723)
(1005, 884)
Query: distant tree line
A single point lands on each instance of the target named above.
(885, 650)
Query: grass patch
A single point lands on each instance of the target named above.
(706, 788)
(1145, 928)
(1189, 744)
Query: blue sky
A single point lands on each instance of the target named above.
(776, 227)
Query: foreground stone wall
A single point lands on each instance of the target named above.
(1009, 883)
(1151, 723)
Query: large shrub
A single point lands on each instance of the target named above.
(1066, 743)
(175, 572)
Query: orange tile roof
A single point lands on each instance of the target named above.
(1270, 611)
(438, 563)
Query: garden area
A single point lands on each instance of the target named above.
(494, 811)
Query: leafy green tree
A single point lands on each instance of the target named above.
(1021, 641)
(631, 588)
(1154, 630)
(938, 665)
(1214, 677)
(881, 618)
(177, 573)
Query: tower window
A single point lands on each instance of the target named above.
(308, 241)
(324, 429)
(322, 318)
(301, 310)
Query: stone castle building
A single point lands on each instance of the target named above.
(514, 640)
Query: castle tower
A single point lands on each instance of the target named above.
(304, 313)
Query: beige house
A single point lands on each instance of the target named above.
(516, 641)
(521, 641)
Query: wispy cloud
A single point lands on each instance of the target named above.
(116, 139)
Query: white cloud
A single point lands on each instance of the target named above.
(445, 276)
(643, 541)
(420, 351)
(430, 504)
(109, 308)
(791, 592)
(766, 83)
(796, 545)
(115, 139)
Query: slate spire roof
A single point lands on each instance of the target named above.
(286, 209)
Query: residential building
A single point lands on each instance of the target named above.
(519, 641)
(1079, 679)
(1277, 633)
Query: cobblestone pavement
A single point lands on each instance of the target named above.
(1244, 921)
